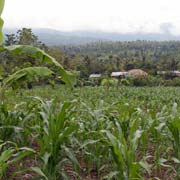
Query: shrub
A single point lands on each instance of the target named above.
(146, 81)
(109, 82)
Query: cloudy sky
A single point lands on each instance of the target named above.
(105, 15)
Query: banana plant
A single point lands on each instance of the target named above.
(23, 75)
(44, 58)
(1, 21)
(35, 53)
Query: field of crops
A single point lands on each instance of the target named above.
(90, 133)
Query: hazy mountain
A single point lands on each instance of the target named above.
(54, 37)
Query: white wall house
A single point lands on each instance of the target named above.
(119, 74)
(95, 76)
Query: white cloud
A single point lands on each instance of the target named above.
(106, 15)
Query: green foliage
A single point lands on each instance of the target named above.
(1, 21)
(9, 123)
(53, 132)
(24, 36)
(10, 40)
(37, 53)
(109, 82)
(26, 74)
(125, 82)
(174, 127)
(108, 57)
(112, 133)
(11, 154)
(124, 133)
(146, 81)
(34, 72)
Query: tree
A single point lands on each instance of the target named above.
(25, 36)
(10, 40)
(33, 52)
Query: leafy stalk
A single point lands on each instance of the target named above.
(2, 2)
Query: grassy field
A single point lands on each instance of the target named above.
(91, 133)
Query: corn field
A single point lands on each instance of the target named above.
(90, 133)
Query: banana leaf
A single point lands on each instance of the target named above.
(45, 58)
(1, 21)
(25, 74)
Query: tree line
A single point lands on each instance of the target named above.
(105, 57)
(99, 57)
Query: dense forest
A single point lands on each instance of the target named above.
(115, 56)
(99, 57)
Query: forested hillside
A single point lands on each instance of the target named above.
(115, 56)
(100, 57)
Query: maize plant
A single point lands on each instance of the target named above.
(54, 130)
(10, 154)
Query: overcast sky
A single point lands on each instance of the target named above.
(105, 15)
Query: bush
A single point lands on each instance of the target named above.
(173, 82)
(146, 81)
(109, 82)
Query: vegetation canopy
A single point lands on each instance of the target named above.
(105, 128)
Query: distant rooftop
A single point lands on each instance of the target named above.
(177, 73)
(95, 76)
(137, 72)
(117, 74)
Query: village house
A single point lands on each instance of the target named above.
(119, 74)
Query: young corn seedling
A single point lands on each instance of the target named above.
(10, 154)
(53, 132)
(173, 125)
(93, 120)
(124, 151)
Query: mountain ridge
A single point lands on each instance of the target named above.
(53, 37)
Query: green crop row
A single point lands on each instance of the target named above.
(118, 133)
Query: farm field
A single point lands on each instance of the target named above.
(89, 96)
(90, 133)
